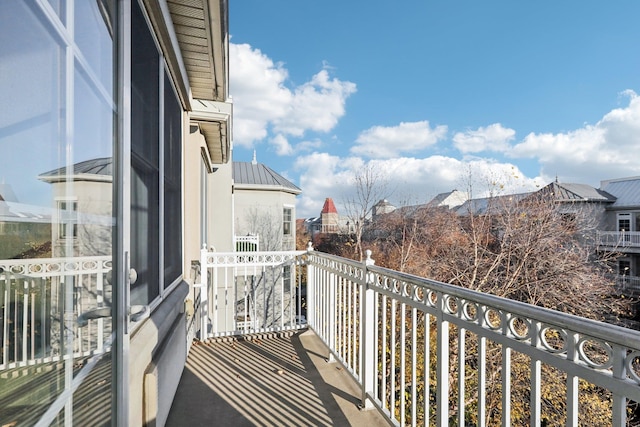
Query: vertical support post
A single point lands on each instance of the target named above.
(368, 345)
(536, 377)
(311, 292)
(442, 365)
(506, 385)
(331, 313)
(572, 381)
(462, 334)
(204, 294)
(619, 409)
(482, 381)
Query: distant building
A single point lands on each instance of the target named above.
(329, 221)
(264, 204)
(620, 231)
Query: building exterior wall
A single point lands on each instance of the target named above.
(220, 227)
(258, 211)
(121, 259)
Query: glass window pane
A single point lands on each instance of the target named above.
(56, 122)
(172, 185)
(145, 174)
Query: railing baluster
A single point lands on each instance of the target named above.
(403, 362)
(572, 382)
(414, 366)
(442, 364)
(506, 386)
(383, 353)
(619, 404)
(536, 377)
(461, 373)
(427, 368)
(482, 380)
(392, 377)
(25, 320)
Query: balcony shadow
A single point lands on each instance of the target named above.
(276, 380)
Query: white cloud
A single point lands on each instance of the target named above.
(316, 105)
(259, 94)
(262, 101)
(591, 153)
(281, 144)
(494, 137)
(410, 180)
(382, 142)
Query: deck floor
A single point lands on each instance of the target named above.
(267, 381)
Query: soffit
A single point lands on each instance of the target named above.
(215, 135)
(201, 32)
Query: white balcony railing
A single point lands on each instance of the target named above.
(628, 284)
(619, 239)
(41, 306)
(425, 352)
(248, 292)
(249, 243)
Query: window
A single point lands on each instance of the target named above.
(172, 185)
(286, 222)
(624, 222)
(156, 168)
(624, 225)
(67, 219)
(624, 267)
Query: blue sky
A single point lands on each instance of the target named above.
(437, 95)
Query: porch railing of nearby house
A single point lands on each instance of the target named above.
(424, 350)
(249, 243)
(628, 285)
(43, 300)
(619, 239)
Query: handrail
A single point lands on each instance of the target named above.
(34, 317)
(378, 322)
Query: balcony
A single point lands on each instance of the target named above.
(310, 337)
(418, 351)
(622, 241)
(628, 285)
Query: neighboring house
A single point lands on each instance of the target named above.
(329, 221)
(83, 220)
(126, 104)
(450, 200)
(264, 205)
(620, 231)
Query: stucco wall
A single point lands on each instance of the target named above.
(269, 206)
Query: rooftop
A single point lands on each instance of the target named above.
(253, 174)
(329, 206)
(626, 191)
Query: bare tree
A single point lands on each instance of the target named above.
(528, 248)
(267, 225)
(369, 186)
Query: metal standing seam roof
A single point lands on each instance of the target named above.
(97, 167)
(488, 205)
(626, 191)
(257, 174)
(577, 192)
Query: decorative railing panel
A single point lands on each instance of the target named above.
(249, 292)
(619, 239)
(41, 302)
(426, 352)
